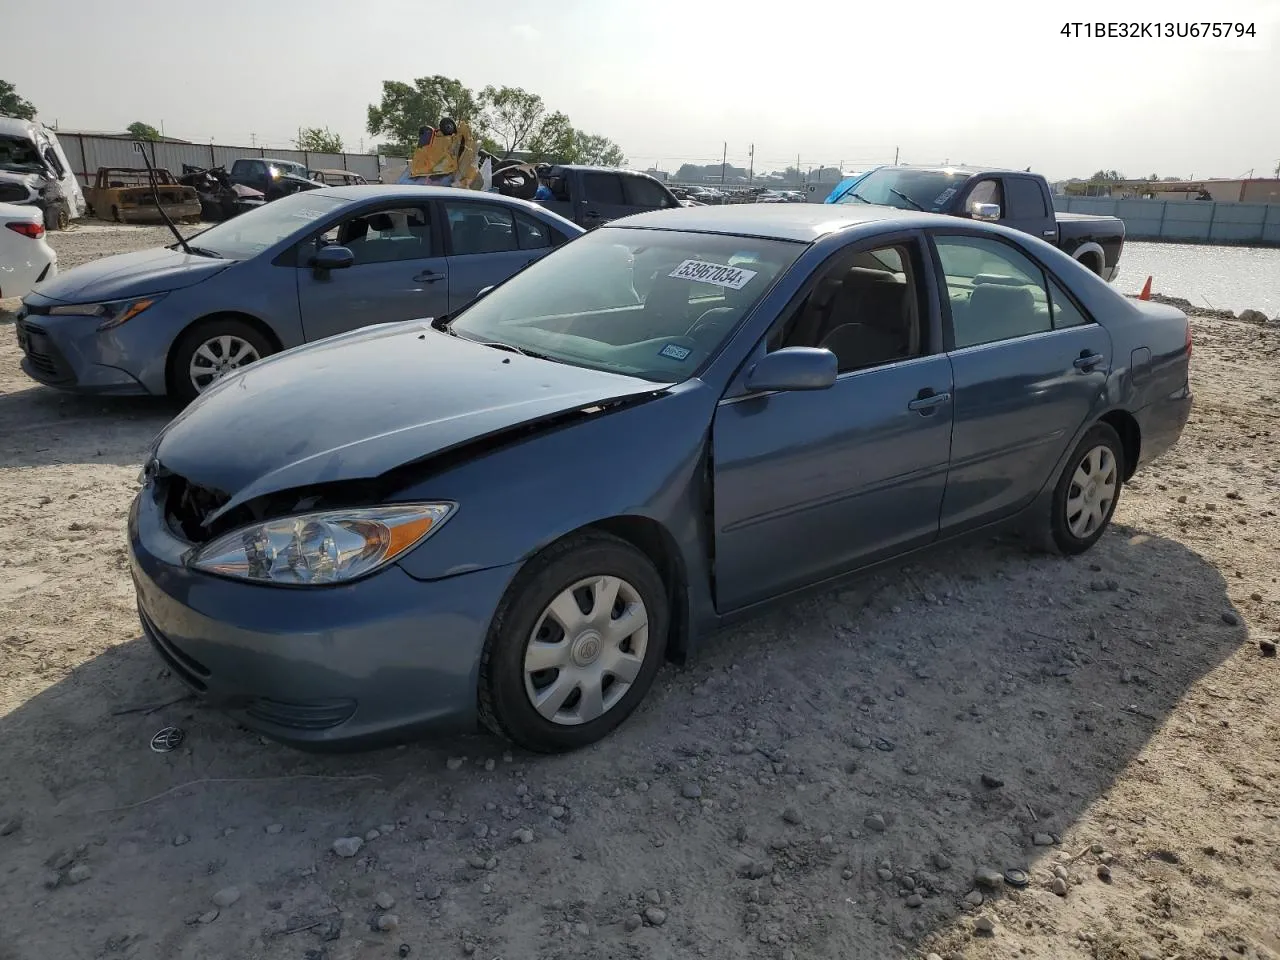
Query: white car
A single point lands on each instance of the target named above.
(25, 256)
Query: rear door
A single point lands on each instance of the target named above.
(400, 271)
(811, 484)
(603, 198)
(1030, 367)
(488, 242)
(643, 194)
(1026, 208)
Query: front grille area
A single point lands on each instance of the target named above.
(190, 670)
(45, 360)
(309, 715)
(187, 506)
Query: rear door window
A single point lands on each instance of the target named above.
(643, 192)
(602, 188)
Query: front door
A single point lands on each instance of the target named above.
(399, 273)
(488, 242)
(809, 485)
(1027, 209)
(1030, 367)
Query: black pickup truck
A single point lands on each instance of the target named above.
(1014, 198)
(590, 196)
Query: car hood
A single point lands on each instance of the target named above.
(355, 406)
(131, 275)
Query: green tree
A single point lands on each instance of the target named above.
(12, 105)
(599, 150)
(554, 141)
(406, 107)
(512, 116)
(316, 140)
(142, 131)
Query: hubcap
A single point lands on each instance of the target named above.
(1092, 492)
(217, 357)
(586, 650)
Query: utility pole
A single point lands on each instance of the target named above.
(798, 174)
(895, 156)
(253, 139)
(751, 172)
(724, 159)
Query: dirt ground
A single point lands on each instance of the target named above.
(829, 781)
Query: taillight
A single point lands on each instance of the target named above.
(33, 230)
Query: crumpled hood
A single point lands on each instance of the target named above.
(354, 406)
(131, 275)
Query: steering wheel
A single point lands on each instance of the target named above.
(712, 319)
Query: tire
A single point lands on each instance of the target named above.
(57, 217)
(228, 331)
(1070, 531)
(506, 692)
(115, 215)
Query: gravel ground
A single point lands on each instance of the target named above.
(848, 777)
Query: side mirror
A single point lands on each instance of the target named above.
(794, 368)
(984, 211)
(333, 257)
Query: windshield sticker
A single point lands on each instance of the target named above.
(735, 278)
(674, 351)
(944, 196)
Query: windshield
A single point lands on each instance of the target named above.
(19, 155)
(252, 232)
(907, 189)
(654, 304)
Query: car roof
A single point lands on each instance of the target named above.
(943, 168)
(410, 191)
(796, 222)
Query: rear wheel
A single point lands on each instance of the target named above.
(1087, 493)
(209, 351)
(575, 644)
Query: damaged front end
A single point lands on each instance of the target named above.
(220, 199)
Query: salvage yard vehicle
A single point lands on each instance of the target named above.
(220, 199)
(25, 256)
(125, 195)
(172, 320)
(591, 196)
(34, 171)
(515, 515)
(274, 178)
(338, 178)
(1012, 198)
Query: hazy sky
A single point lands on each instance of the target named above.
(829, 80)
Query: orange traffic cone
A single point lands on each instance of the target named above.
(1146, 290)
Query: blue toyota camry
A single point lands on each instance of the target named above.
(514, 516)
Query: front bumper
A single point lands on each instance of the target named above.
(364, 664)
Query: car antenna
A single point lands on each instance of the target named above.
(139, 146)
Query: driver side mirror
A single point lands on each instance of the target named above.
(793, 368)
(333, 257)
(984, 211)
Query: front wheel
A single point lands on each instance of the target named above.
(209, 351)
(1087, 493)
(574, 645)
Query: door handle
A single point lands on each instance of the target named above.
(428, 277)
(1087, 361)
(927, 402)
(1050, 233)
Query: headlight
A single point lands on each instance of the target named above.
(333, 546)
(112, 312)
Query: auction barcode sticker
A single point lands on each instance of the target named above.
(722, 275)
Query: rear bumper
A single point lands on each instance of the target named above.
(1161, 423)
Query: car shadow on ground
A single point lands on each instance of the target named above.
(41, 426)
(759, 794)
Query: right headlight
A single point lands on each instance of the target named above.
(326, 547)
